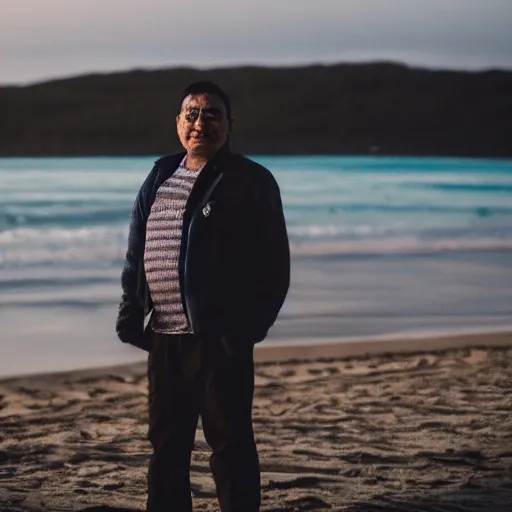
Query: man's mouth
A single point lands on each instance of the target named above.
(199, 136)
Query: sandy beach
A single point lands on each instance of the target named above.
(411, 425)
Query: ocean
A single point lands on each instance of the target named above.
(382, 247)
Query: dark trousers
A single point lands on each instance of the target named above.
(191, 376)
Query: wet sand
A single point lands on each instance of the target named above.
(415, 425)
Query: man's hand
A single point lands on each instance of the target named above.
(130, 324)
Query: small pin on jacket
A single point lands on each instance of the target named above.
(207, 209)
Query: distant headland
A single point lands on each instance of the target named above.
(376, 108)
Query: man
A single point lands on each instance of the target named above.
(208, 261)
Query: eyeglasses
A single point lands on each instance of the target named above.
(207, 114)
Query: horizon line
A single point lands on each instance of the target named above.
(241, 65)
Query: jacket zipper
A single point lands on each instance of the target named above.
(183, 258)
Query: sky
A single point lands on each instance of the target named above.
(45, 39)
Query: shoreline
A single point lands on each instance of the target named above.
(383, 346)
(312, 350)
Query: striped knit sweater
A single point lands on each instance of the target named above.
(162, 251)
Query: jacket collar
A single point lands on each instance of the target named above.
(176, 158)
(169, 163)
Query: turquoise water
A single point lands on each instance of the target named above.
(76, 210)
(379, 245)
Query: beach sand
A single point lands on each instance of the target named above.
(425, 426)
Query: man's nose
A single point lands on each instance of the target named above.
(199, 122)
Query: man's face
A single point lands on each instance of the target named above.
(202, 124)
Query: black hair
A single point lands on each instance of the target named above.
(207, 87)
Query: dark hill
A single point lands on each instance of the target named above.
(338, 109)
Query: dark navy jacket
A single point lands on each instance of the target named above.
(234, 257)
